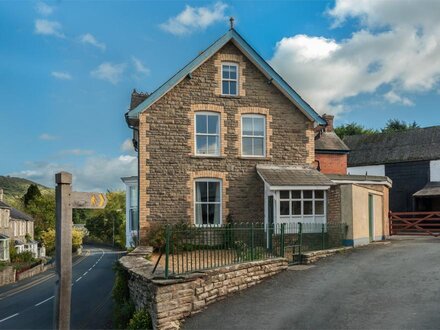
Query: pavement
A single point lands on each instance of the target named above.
(29, 304)
(395, 286)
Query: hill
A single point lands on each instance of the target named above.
(14, 188)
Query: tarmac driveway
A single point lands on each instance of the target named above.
(394, 286)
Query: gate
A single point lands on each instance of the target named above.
(415, 223)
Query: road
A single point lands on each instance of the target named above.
(396, 286)
(28, 304)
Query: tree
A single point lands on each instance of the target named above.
(31, 194)
(42, 209)
(396, 125)
(352, 129)
(103, 223)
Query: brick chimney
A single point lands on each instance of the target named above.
(137, 98)
(1, 195)
(329, 120)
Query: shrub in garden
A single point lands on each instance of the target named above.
(141, 320)
(123, 307)
(25, 256)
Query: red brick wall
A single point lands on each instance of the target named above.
(332, 163)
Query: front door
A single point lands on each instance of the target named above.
(371, 217)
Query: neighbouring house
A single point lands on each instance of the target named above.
(330, 151)
(411, 159)
(362, 200)
(131, 211)
(18, 227)
(227, 139)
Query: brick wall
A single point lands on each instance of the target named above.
(332, 163)
(166, 158)
(334, 205)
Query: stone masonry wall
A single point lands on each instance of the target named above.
(169, 302)
(167, 159)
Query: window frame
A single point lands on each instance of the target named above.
(237, 80)
(264, 136)
(302, 199)
(218, 135)
(220, 202)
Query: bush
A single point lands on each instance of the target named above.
(156, 235)
(141, 320)
(123, 307)
(22, 257)
(48, 238)
(123, 314)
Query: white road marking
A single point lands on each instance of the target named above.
(9, 317)
(79, 278)
(42, 302)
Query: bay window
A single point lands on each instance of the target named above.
(303, 206)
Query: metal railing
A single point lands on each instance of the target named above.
(196, 248)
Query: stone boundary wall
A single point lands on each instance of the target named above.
(34, 271)
(170, 301)
(311, 257)
(7, 275)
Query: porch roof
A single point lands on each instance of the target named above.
(431, 189)
(292, 176)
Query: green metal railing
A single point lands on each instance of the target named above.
(195, 248)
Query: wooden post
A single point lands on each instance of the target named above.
(63, 250)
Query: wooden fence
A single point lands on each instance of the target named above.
(415, 223)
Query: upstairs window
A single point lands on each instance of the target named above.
(230, 79)
(253, 135)
(207, 134)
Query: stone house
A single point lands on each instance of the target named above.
(227, 139)
(18, 227)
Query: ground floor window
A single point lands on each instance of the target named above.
(4, 249)
(307, 206)
(208, 201)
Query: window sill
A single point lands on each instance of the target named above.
(207, 157)
(255, 158)
(229, 96)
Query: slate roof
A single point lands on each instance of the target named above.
(3, 205)
(431, 189)
(17, 214)
(330, 142)
(360, 178)
(278, 176)
(384, 148)
(253, 56)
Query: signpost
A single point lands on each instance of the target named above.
(66, 200)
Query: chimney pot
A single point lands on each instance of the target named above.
(329, 119)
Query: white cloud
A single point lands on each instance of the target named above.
(127, 145)
(91, 40)
(392, 97)
(109, 72)
(47, 137)
(98, 173)
(61, 75)
(139, 66)
(43, 9)
(195, 18)
(397, 46)
(77, 152)
(50, 28)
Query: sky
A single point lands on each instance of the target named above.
(67, 69)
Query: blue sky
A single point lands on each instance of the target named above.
(68, 68)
